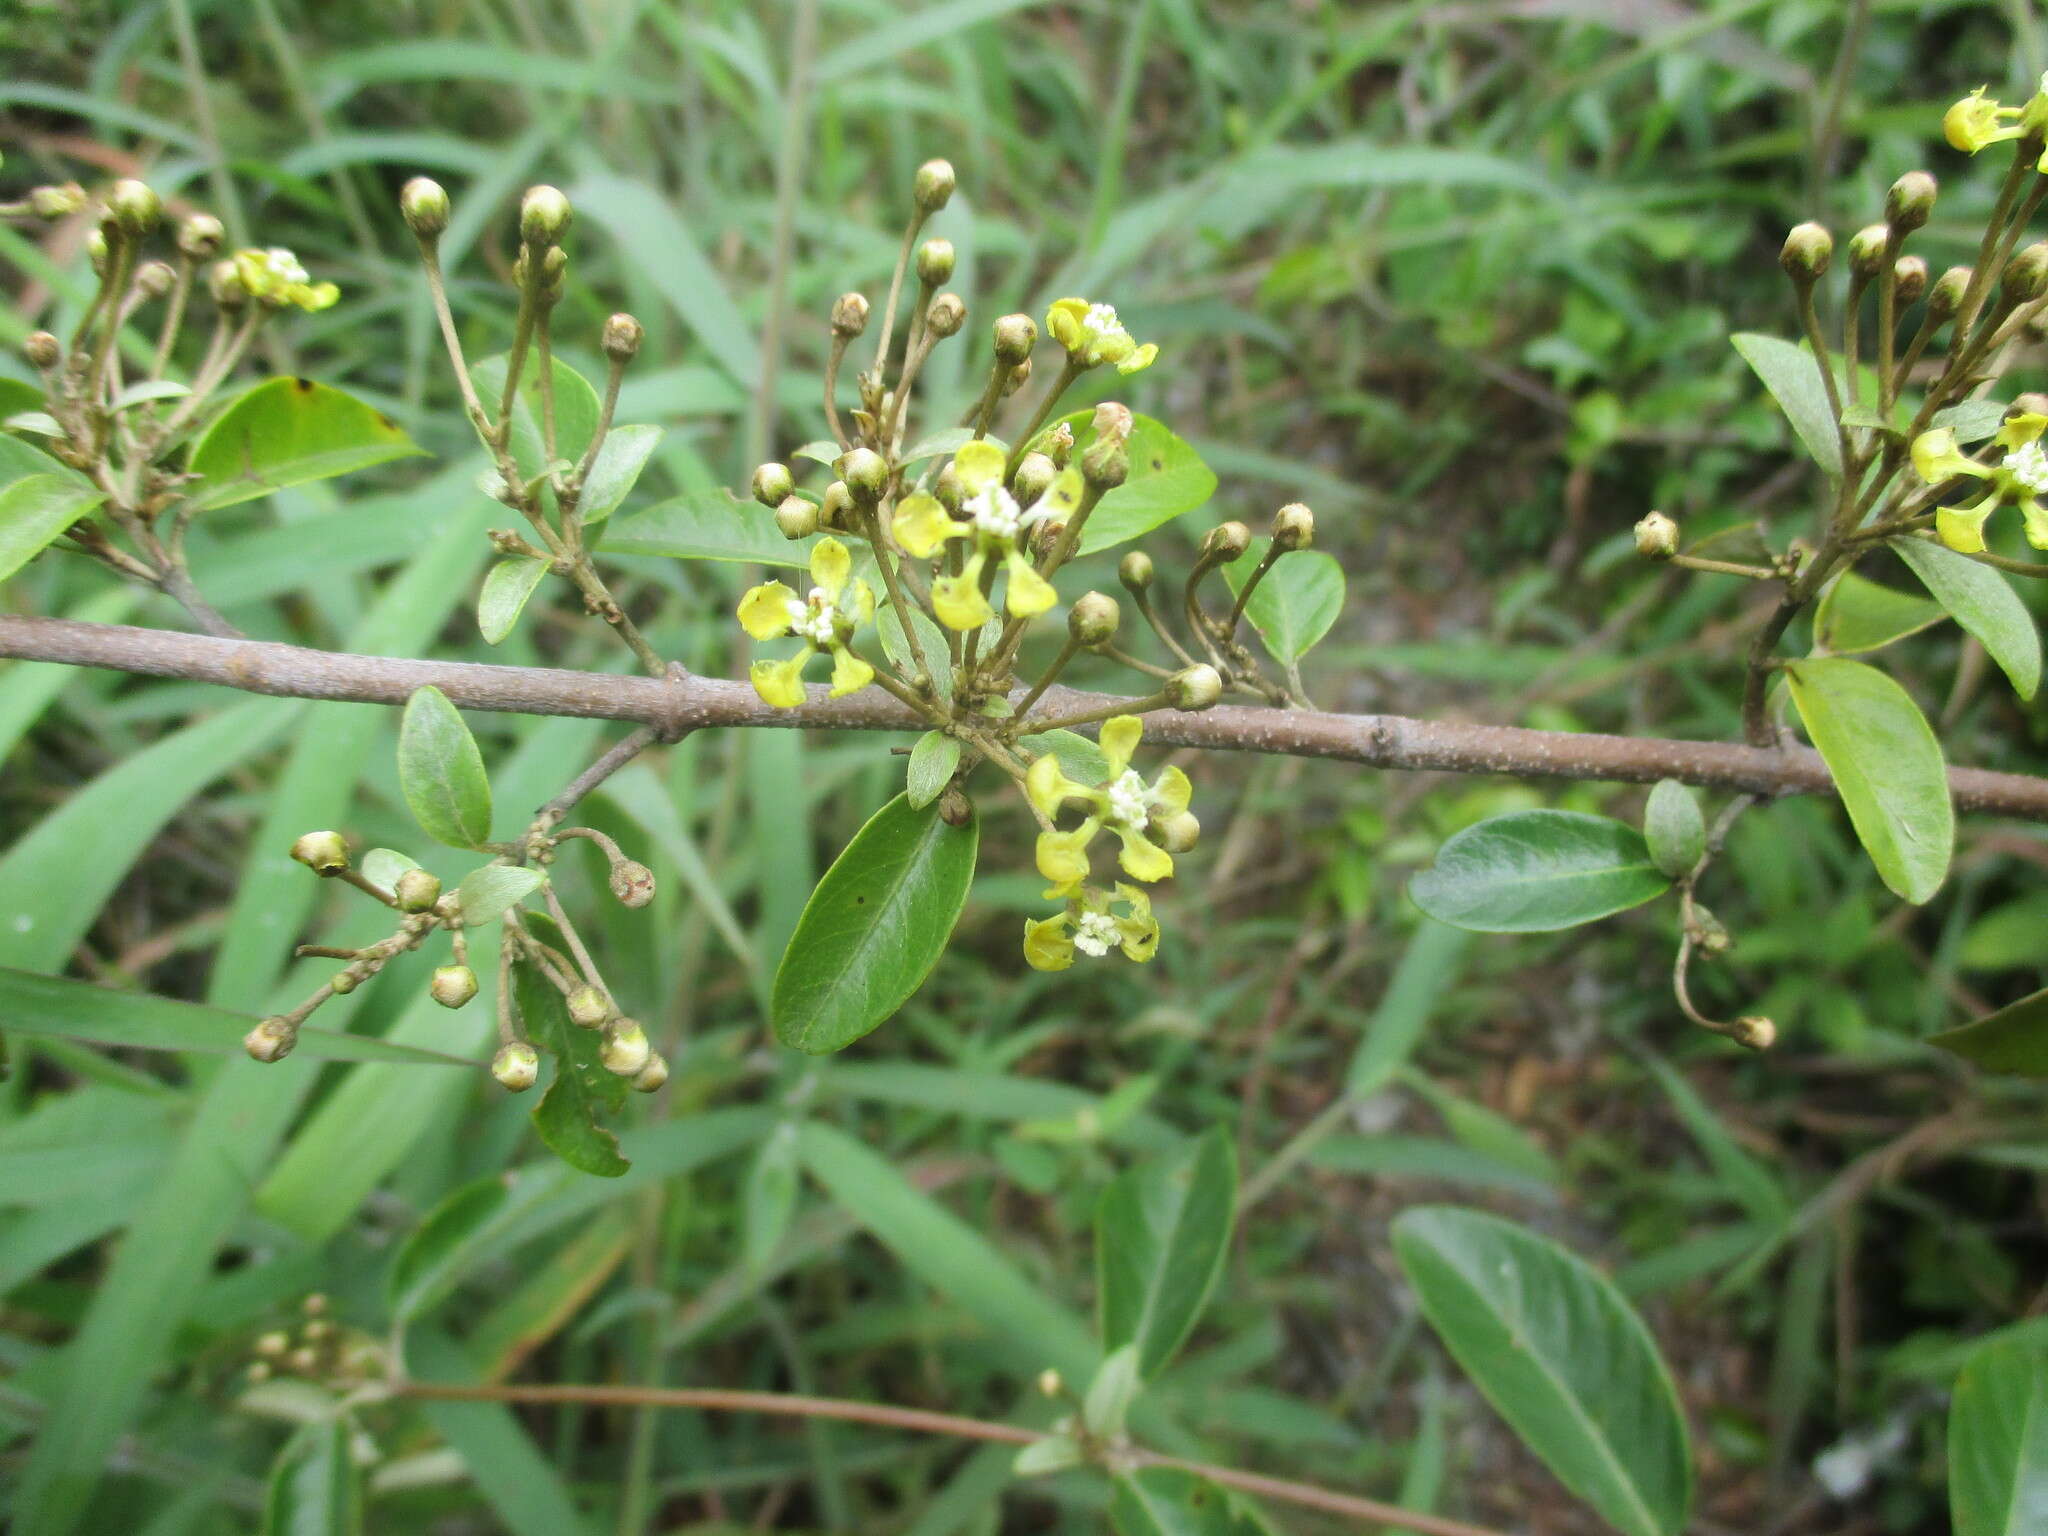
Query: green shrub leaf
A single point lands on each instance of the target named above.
(932, 762)
(1998, 1441)
(506, 589)
(1167, 479)
(487, 894)
(286, 432)
(315, 1489)
(430, 1260)
(1856, 614)
(441, 773)
(1532, 871)
(616, 470)
(1161, 1233)
(35, 510)
(707, 525)
(576, 409)
(1794, 379)
(567, 1117)
(1984, 603)
(1295, 603)
(2013, 1040)
(1165, 1501)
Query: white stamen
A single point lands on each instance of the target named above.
(283, 265)
(994, 512)
(813, 620)
(1095, 933)
(2029, 467)
(1101, 319)
(1129, 800)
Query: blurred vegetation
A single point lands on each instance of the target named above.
(1460, 277)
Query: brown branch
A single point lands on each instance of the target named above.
(684, 703)
(922, 1421)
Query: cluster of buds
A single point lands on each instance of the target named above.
(317, 1349)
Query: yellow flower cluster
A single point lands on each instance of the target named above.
(838, 604)
(2020, 476)
(1000, 530)
(275, 277)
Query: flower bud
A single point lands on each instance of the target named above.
(2026, 275)
(955, 809)
(651, 1076)
(1225, 543)
(1177, 833)
(272, 1040)
(1135, 571)
(1108, 459)
(1035, 474)
(796, 518)
(226, 286)
(305, 1361)
(1019, 376)
(134, 207)
(621, 338)
(325, 853)
(1093, 619)
(1294, 527)
(453, 985)
(1058, 444)
(1909, 278)
(838, 502)
(849, 314)
(1806, 252)
(773, 484)
(947, 487)
(200, 236)
(934, 262)
(1656, 537)
(1756, 1032)
(948, 312)
(1868, 249)
(154, 279)
(1049, 1383)
(588, 1007)
(1015, 336)
(1946, 296)
(56, 202)
(632, 882)
(345, 981)
(624, 1050)
(543, 215)
(1910, 203)
(42, 350)
(273, 1345)
(424, 204)
(2029, 403)
(1193, 688)
(96, 252)
(934, 185)
(864, 472)
(417, 890)
(516, 1066)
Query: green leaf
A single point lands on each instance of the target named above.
(1794, 379)
(382, 866)
(506, 589)
(1295, 603)
(576, 409)
(285, 432)
(1110, 1395)
(1984, 603)
(1998, 1441)
(1561, 1356)
(1080, 758)
(31, 1004)
(874, 927)
(582, 1090)
(1165, 1501)
(616, 470)
(946, 440)
(441, 773)
(487, 894)
(1887, 765)
(932, 762)
(1973, 420)
(1860, 615)
(315, 1489)
(1167, 479)
(147, 390)
(770, 1197)
(1532, 871)
(707, 525)
(889, 630)
(1053, 1453)
(1161, 1234)
(1674, 829)
(2013, 1040)
(35, 511)
(430, 1260)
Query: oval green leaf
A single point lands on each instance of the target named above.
(315, 1489)
(487, 894)
(1793, 377)
(1161, 1233)
(707, 525)
(1984, 603)
(35, 510)
(1998, 1441)
(286, 432)
(1860, 615)
(1295, 603)
(1674, 829)
(616, 470)
(441, 773)
(582, 1094)
(506, 589)
(1533, 871)
(874, 927)
(576, 410)
(1167, 478)
(1561, 1357)
(2014, 1040)
(932, 762)
(1887, 766)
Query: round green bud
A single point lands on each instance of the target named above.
(1035, 475)
(933, 185)
(272, 1040)
(1093, 619)
(934, 262)
(345, 981)
(200, 236)
(1909, 278)
(1049, 1383)
(516, 1066)
(226, 286)
(319, 1331)
(1946, 296)
(837, 503)
(773, 484)
(1135, 570)
(273, 1345)
(624, 1050)
(945, 316)
(947, 487)
(1177, 833)
(453, 985)
(651, 1076)
(1807, 250)
(1294, 527)
(56, 202)
(417, 890)
(134, 207)
(2030, 403)
(305, 1361)
(864, 472)
(1869, 248)
(796, 518)
(543, 215)
(2026, 276)
(1108, 459)
(1656, 537)
(1015, 336)
(96, 252)
(589, 1008)
(42, 350)
(1193, 688)
(621, 338)
(314, 1304)
(1756, 1032)
(632, 882)
(849, 314)
(325, 853)
(1910, 203)
(1226, 542)
(154, 279)
(423, 202)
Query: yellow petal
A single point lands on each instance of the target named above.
(2034, 517)
(1139, 360)
(957, 600)
(849, 672)
(831, 565)
(1141, 858)
(863, 601)
(316, 297)
(977, 466)
(1962, 528)
(921, 525)
(764, 611)
(1063, 856)
(1063, 321)
(780, 683)
(1120, 736)
(2018, 431)
(1029, 593)
(1140, 931)
(1117, 347)
(1046, 945)
(1047, 786)
(1171, 791)
(1062, 499)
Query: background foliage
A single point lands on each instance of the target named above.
(1463, 279)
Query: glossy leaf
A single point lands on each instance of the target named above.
(1161, 1234)
(576, 409)
(430, 1260)
(1794, 379)
(1998, 1441)
(1887, 766)
(707, 525)
(874, 927)
(286, 432)
(1167, 479)
(506, 589)
(1107, 1404)
(1984, 603)
(582, 1092)
(382, 866)
(1080, 756)
(1533, 871)
(932, 762)
(1674, 829)
(1165, 1501)
(2013, 1040)
(1972, 420)
(1295, 603)
(1560, 1355)
(1856, 614)
(487, 894)
(315, 1488)
(35, 511)
(616, 470)
(441, 772)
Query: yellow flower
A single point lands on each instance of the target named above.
(1124, 803)
(1087, 926)
(1092, 335)
(275, 277)
(825, 621)
(2020, 476)
(1047, 946)
(1973, 123)
(1962, 528)
(1000, 529)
